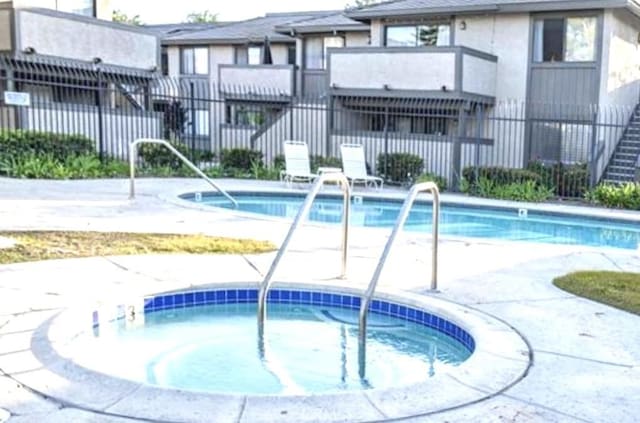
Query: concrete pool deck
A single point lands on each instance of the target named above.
(586, 356)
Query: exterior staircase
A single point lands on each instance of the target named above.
(625, 159)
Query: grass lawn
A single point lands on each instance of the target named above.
(617, 289)
(33, 246)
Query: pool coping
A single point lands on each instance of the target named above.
(502, 357)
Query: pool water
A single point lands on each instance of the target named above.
(308, 349)
(455, 220)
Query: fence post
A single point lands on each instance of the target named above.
(479, 132)
(329, 125)
(386, 142)
(100, 111)
(593, 156)
(456, 156)
(192, 104)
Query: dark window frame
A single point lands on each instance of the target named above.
(182, 60)
(436, 23)
(597, 41)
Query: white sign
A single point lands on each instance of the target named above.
(14, 98)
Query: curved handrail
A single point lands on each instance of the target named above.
(302, 213)
(132, 166)
(402, 218)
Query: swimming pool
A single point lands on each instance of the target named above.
(455, 220)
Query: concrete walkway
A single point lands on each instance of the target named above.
(586, 356)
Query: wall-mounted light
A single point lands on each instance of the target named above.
(386, 87)
(96, 60)
(463, 25)
(334, 86)
(444, 88)
(29, 50)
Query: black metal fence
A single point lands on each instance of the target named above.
(464, 144)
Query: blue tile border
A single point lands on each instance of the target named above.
(289, 296)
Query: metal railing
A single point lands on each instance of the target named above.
(402, 218)
(132, 166)
(302, 213)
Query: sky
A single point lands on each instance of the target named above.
(154, 11)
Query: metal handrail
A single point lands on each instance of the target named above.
(132, 166)
(302, 213)
(402, 218)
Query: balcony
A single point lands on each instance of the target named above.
(272, 80)
(64, 35)
(436, 72)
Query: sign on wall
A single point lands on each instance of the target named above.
(14, 98)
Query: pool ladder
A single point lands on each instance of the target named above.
(133, 153)
(368, 295)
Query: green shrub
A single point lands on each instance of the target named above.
(34, 166)
(566, 180)
(240, 159)
(626, 196)
(279, 162)
(499, 175)
(115, 169)
(516, 191)
(17, 143)
(82, 167)
(399, 167)
(157, 155)
(431, 177)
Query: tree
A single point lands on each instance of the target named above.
(202, 17)
(120, 16)
(361, 3)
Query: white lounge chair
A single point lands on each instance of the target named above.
(297, 164)
(354, 166)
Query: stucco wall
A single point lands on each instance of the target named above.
(377, 33)
(357, 39)
(81, 40)
(507, 37)
(478, 75)
(620, 77)
(5, 30)
(219, 55)
(620, 81)
(399, 70)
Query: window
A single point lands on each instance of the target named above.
(201, 123)
(291, 54)
(418, 35)
(315, 52)
(195, 61)
(251, 114)
(565, 39)
(78, 7)
(251, 55)
(164, 62)
(410, 122)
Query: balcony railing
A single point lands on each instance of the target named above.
(443, 72)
